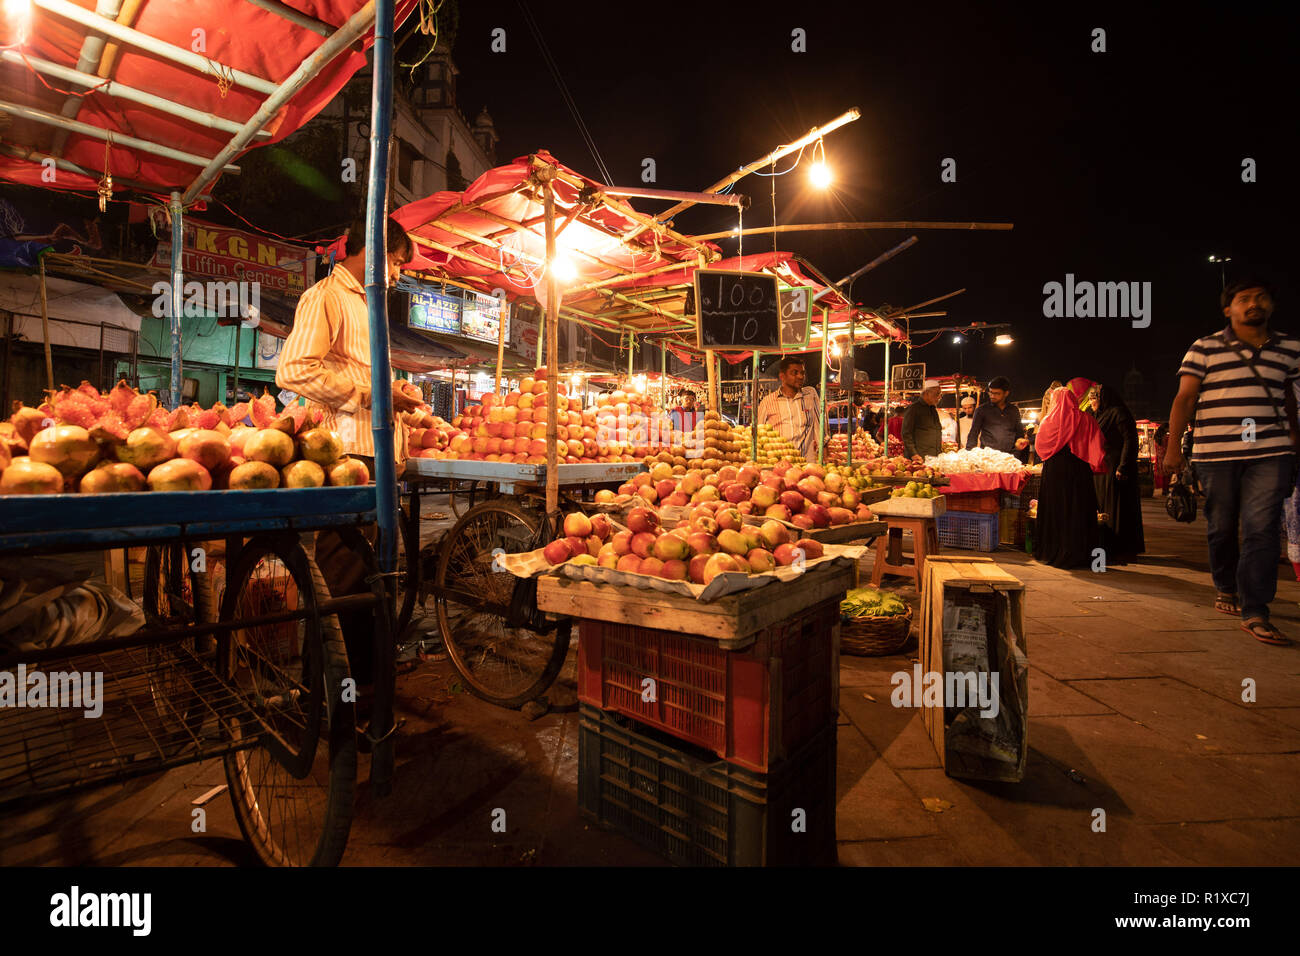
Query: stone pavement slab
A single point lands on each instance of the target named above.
(897, 734)
(1052, 698)
(872, 803)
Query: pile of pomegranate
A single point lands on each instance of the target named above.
(79, 440)
(807, 496)
(712, 539)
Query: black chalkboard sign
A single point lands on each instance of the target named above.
(737, 310)
(908, 378)
(796, 318)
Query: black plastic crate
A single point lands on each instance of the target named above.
(695, 810)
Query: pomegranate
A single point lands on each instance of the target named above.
(69, 448)
(28, 421)
(302, 474)
(145, 448)
(348, 471)
(271, 446)
(112, 476)
(253, 474)
(238, 435)
(320, 445)
(27, 477)
(180, 474)
(209, 448)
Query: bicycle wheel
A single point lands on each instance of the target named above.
(460, 497)
(502, 664)
(176, 595)
(293, 789)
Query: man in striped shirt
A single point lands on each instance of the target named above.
(326, 357)
(1238, 385)
(793, 410)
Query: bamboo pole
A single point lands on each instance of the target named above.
(552, 355)
(663, 377)
(854, 226)
(821, 445)
(45, 328)
(753, 413)
(501, 349)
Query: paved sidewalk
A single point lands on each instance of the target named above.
(1135, 709)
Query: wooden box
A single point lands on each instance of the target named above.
(911, 507)
(973, 613)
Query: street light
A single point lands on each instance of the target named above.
(820, 173)
(1003, 340)
(1221, 260)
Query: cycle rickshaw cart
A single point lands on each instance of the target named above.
(628, 273)
(253, 672)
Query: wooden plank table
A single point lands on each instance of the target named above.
(732, 620)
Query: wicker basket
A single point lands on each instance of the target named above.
(875, 636)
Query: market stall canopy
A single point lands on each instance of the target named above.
(493, 233)
(76, 310)
(164, 96)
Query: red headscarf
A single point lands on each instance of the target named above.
(1067, 427)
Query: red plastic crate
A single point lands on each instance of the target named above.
(752, 707)
(981, 502)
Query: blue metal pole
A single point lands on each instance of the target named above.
(178, 281)
(381, 396)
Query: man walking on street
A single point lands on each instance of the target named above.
(997, 423)
(1235, 387)
(922, 432)
(793, 409)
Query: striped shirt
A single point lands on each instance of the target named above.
(326, 359)
(1230, 394)
(794, 419)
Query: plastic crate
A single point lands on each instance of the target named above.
(968, 531)
(981, 502)
(752, 707)
(697, 811)
(1010, 501)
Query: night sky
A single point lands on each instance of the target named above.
(1116, 166)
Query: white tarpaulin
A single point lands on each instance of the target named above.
(71, 302)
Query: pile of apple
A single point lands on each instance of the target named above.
(711, 540)
(864, 447)
(808, 496)
(900, 467)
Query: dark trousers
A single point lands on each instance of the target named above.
(1246, 496)
(345, 573)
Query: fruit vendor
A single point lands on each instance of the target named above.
(997, 423)
(686, 416)
(922, 432)
(326, 359)
(793, 410)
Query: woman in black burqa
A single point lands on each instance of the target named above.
(1118, 494)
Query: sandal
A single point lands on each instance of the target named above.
(1266, 633)
(1227, 603)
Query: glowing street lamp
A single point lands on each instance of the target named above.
(1003, 340)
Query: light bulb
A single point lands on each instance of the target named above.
(564, 269)
(820, 174)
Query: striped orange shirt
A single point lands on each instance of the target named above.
(326, 359)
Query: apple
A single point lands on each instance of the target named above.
(727, 474)
(779, 512)
(647, 494)
(718, 564)
(665, 488)
(828, 500)
(706, 493)
(673, 570)
(622, 542)
(705, 523)
(558, 551)
(774, 533)
(761, 560)
(629, 562)
(577, 525)
(661, 471)
(585, 559)
(627, 488)
(676, 500)
(863, 513)
(748, 476)
(642, 479)
(692, 482)
(730, 519)
(701, 543)
(576, 545)
(764, 497)
(640, 520)
(695, 570)
(753, 536)
(745, 507)
(670, 547)
(820, 516)
(735, 492)
(772, 480)
(785, 554)
(601, 527)
(794, 501)
(733, 542)
(811, 549)
(642, 543)
(802, 521)
(815, 470)
(593, 545)
(834, 483)
(851, 498)
(840, 515)
(810, 488)
(651, 566)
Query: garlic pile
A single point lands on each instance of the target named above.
(969, 460)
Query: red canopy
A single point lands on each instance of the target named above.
(238, 54)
